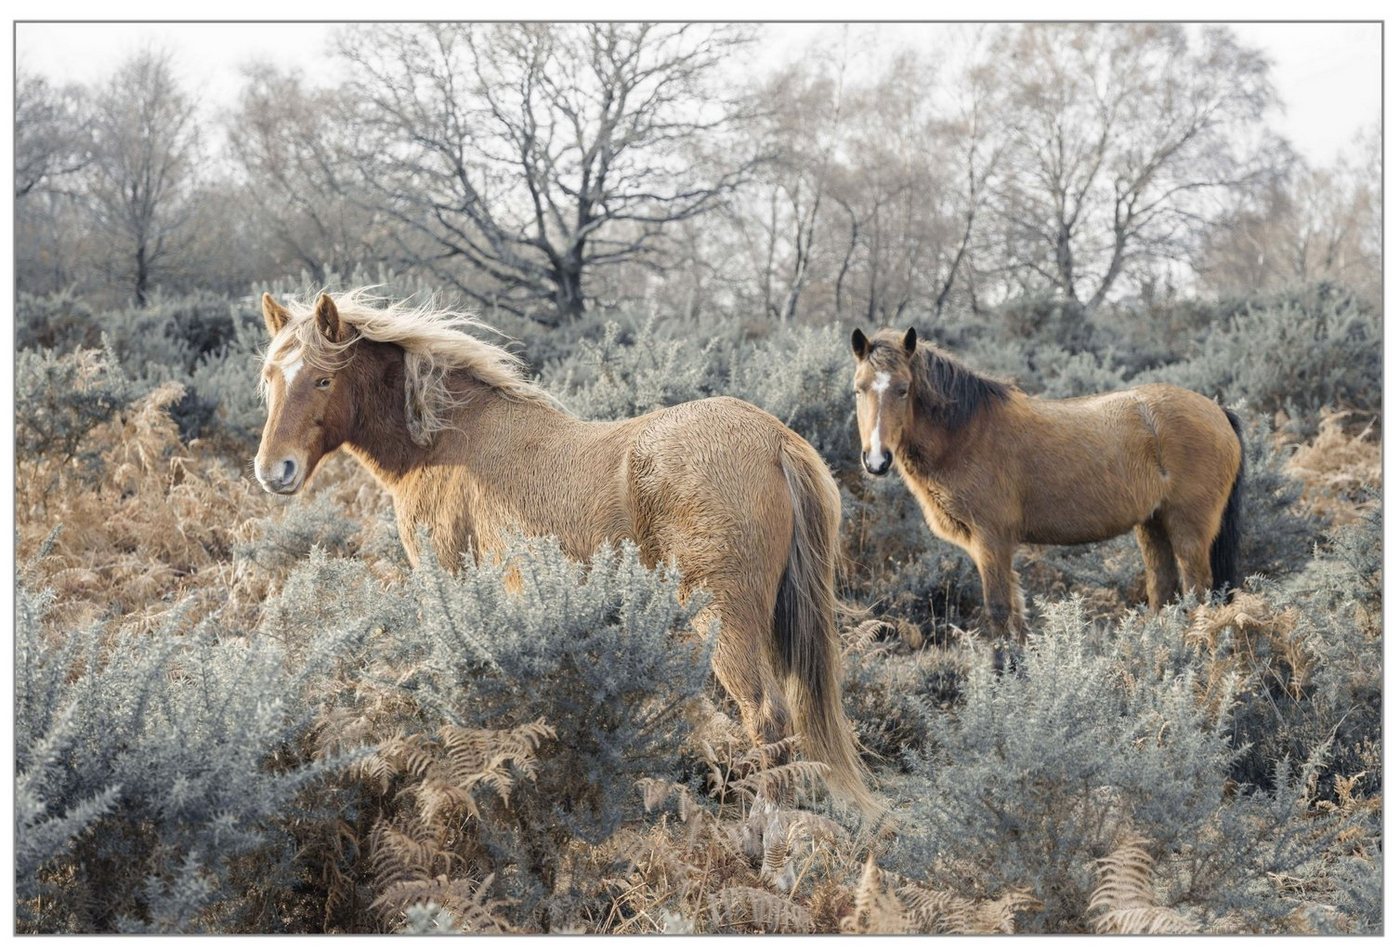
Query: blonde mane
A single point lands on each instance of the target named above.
(436, 342)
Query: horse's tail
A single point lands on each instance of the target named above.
(804, 624)
(1225, 550)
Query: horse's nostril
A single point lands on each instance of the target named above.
(878, 467)
(289, 470)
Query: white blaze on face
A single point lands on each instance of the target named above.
(878, 388)
(290, 366)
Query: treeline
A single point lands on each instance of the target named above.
(544, 171)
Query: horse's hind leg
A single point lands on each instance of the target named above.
(1190, 541)
(743, 665)
(1157, 555)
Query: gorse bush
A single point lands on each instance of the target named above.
(597, 666)
(1299, 353)
(63, 398)
(164, 759)
(1316, 664)
(1036, 776)
(62, 321)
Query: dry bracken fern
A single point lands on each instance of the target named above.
(876, 910)
(1124, 898)
(756, 909)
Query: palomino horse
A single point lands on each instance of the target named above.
(471, 450)
(993, 468)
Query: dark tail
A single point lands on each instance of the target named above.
(804, 623)
(1225, 550)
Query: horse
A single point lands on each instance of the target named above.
(472, 451)
(993, 467)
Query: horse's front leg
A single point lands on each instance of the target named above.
(1001, 589)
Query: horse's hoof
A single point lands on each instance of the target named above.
(1007, 658)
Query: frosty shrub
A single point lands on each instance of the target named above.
(1313, 646)
(61, 321)
(1305, 351)
(150, 768)
(61, 398)
(280, 540)
(802, 376)
(621, 375)
(1278, 534)
(1038, 775)
(1045, 369)
(580, 678)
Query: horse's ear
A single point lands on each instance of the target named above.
(911, 340)
(274, 315)
(860, 344)
(328, 320)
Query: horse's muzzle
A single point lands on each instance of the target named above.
(880, 466)
(283, 479)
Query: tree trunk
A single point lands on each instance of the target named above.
(568, 290)
(142, 275)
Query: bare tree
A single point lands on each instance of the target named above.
(796, 128)
(287, 139)
(1117, 135)
(1309, 225)
(51, 141)
(145, 149)
(537, 153)
(876, 174)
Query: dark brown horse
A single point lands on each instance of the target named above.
(472, 451)
(993, 468)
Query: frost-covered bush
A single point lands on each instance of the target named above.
(226, 378)
(62, 398)
(800, 375)
(151, 766)
(61, 321)
(580, 677)
(279, 541)
(1315, 642)
(1038, 775)
(1301, 352)
(1278, 534)
(622, 374)
(803, 377)
(605, 654)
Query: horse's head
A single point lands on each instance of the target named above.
(883, 379)
(309, 405)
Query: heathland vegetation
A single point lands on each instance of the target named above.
(241, 713)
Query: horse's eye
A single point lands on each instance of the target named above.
(323, 384)
(902, 392)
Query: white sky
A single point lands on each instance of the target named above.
(1328, 74)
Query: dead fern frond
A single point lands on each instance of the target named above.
(862, 638)
(1335, 467)
(399, 854)
(472, 911)
(757, 909)
(777, 869)
(999, 915)
(877, 910)
(1124, 894)
(1269, 641)
(800, 777)
(658, 791)
(936, 910)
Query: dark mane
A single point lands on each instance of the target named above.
(949, 391)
